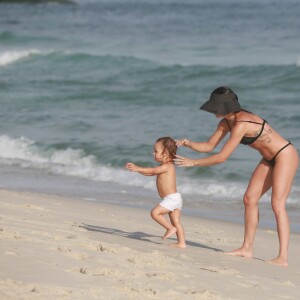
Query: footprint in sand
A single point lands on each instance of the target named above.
(70, 253)
(220, 270)
(248, 285)
(108, 273)
(12, 253)
(31, 206)
(205, 294)
(161, 276)
(288, 283)
(83, 270)
(77, 255)
(11, 235)
(77, 227)
(64, 249)
(153, 258)
(100, 248)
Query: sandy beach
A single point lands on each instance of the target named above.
(65, 248)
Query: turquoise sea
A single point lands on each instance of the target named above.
(88, 85)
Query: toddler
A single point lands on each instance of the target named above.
(164, 152)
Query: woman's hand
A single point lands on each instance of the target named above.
(184, 162)
(183, 142)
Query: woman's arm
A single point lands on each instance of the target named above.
(236, 135)
(212, 142)
(146, 171)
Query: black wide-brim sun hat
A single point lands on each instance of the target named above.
(221, 104)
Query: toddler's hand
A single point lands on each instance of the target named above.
(131, 167)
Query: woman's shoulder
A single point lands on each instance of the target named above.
(247, 116)
(223, 125)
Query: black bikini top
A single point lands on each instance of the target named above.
(248, 140)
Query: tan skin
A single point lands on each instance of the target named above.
(279, 178)
(166, 184)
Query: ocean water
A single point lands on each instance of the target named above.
(89, 85)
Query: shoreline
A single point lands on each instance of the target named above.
(55, 247)
(35, 181)
(136, 197)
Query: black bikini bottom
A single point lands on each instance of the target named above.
(271, 162)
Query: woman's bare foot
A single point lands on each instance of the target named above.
(169, 233)
(177, 245)
(240, 252)
(278, 261)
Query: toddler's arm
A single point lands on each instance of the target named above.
(146, 171)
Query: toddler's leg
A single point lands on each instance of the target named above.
(157, 213)
(175, 220)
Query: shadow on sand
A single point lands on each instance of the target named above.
(138, 235)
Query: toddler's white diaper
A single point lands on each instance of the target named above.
(172, 202)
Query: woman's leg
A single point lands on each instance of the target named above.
(260, 183)
(175, 220)
(283, 176)
(157, 213)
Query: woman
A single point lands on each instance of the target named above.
(276, 169)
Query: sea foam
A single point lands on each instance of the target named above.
(25, 153)
(10, 57)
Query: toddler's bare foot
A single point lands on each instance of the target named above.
(240, 252)
(178, 245)
(169, 233)
(278, 261)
